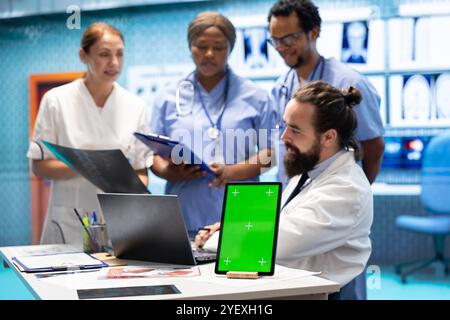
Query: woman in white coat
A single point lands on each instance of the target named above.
(89, 113)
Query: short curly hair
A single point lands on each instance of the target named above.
(307, 13)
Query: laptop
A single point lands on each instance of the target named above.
(149, 228)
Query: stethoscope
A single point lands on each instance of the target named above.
(286, 93)
(189, 84)
(214, 130)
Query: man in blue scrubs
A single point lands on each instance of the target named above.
(294, 27)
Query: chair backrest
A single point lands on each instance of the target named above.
(435, 194)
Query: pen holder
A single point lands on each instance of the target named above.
(96, 240)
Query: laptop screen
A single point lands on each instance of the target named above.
(147, 227)
(249, 228)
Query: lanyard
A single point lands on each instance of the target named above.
(288, 92)
(320, 63)
(216, 125)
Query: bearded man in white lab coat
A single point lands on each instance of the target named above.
(327, 207)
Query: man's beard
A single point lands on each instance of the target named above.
(298, 163)
(300, 62)
(302, 59)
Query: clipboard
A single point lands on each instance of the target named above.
(58, 262)
(163, 146)
(108, 170)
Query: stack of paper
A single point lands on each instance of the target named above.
(57, 262)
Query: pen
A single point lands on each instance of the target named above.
(48, 275)
(83, 224)
(204, 229)
(86, 221)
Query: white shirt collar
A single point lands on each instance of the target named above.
(321, 167)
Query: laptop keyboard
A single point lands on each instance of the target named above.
(202, 255)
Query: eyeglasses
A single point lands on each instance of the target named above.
(287, 41)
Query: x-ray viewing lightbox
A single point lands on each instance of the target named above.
(420, 100)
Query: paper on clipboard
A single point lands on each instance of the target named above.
(57, 262)
(163, 146)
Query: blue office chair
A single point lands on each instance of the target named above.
(435, 197)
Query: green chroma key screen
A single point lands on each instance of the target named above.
(249, 228)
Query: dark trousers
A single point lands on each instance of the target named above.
(354, 290)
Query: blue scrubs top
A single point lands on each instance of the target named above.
(340, 76)
(247, 109)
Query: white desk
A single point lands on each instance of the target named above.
(204, 287)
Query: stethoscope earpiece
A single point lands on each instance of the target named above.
(287, 93)
(215, 127)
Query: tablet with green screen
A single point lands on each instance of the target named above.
(249, 228)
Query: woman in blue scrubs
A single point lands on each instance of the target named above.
(224, 119)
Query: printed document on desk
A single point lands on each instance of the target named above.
(281, 274)
(108, 170)
(149, 272)
(58, 262)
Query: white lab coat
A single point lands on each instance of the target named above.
(326, 227)
(68, 116)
